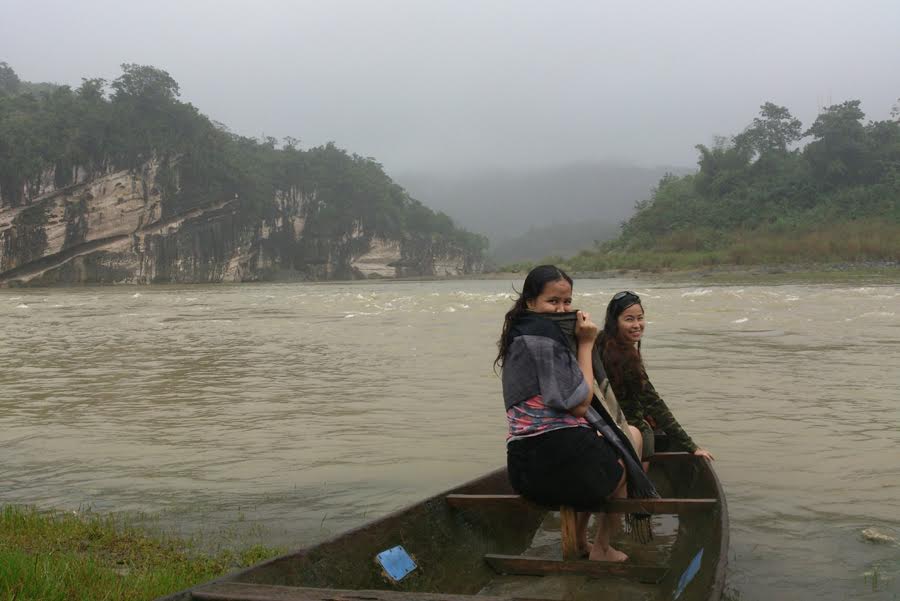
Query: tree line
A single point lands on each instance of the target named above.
(55, 136)
(764, 179)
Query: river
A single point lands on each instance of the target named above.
(284, 413)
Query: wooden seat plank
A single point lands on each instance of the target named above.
(654, 506)
(486, 501)
(536, 566)
(657, 506)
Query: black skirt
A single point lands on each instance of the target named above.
(568, 466)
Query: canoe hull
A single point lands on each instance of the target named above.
(449, 545)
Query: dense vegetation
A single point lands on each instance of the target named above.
(53, 136)
(761, 197)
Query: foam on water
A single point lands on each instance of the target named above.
(696, 293)
(873, 535)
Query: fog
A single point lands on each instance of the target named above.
(445, 88)
(452, 85)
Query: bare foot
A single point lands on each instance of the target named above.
(584, 549)
(598, 554)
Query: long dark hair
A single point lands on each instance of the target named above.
(534, 284)
(619, 355)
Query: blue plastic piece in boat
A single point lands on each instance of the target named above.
(396, 563)
(689, 574)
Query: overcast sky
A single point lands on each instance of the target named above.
(445, 85)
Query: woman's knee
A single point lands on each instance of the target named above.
(637, 439)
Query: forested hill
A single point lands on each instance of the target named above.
(122, 181)
(774, 193)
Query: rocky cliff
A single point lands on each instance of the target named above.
(113, 229)
(123, 182)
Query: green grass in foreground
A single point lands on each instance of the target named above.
(65, 556)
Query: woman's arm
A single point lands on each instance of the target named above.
(656, 408)
(586, 334)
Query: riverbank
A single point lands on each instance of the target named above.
(884, 271)
(870, 272)
(61, 556)
(840, 252)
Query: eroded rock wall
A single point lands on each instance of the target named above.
(380, 261)
(114, 229)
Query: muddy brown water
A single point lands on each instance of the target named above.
(283, 413)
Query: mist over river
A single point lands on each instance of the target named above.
(283, 413)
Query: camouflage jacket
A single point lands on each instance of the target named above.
(645, 410)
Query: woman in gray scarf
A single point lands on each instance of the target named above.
(554, 455)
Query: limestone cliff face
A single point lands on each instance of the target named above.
(380, 261)
(114, 229)
(391, 258)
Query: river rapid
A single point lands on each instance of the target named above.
(283, 413)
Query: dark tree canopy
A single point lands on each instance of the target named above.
(772, 132)
(849, 170)
(9, 81)
(142, 81)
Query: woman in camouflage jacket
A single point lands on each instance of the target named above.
(620, 350)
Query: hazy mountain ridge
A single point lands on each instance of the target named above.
(554, 240)
(508, 204)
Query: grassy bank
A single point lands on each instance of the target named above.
(67, 556)
(859, 243)
(766, 275)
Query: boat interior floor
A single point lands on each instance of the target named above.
(646, 565)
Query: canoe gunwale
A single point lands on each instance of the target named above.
(718, 584)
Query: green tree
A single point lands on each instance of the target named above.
(772, 132)
(9, 81)
(148, 119)
(92, 141)
(722, 167)
(144, 81)
(883, 152)
(838, 153)
(21, 143)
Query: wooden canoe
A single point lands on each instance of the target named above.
(482, 542)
